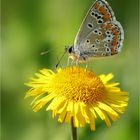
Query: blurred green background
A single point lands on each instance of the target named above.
(30, 27)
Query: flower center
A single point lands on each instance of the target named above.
(78, 84)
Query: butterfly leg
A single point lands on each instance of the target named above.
(89, 65)
(72, 62)
(86, 65)
(77, 62)
(58, 64)
(68, 61)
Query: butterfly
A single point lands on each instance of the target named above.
(100, 34)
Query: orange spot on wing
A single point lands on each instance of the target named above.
(105, 13)
(103, 10)
(115, 40)
(116, 33)
(116, 37)
(113, 51)
(103, 26)
(97, 5)
(106, 16)
(108, 26)
(114, 43)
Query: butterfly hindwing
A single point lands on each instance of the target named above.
(103, 41)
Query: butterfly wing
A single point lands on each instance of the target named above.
(100, 33)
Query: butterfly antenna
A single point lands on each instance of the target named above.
(59, 60)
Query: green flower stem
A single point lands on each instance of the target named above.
(74, 131)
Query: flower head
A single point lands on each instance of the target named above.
(77, 93)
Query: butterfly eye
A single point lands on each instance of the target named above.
(70, 49)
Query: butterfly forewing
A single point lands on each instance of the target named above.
(100, 33)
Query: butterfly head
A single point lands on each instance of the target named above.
(69, 49)
(71, 52)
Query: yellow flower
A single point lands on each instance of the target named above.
(77, 93)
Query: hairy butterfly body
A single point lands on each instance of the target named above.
(100, 34)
